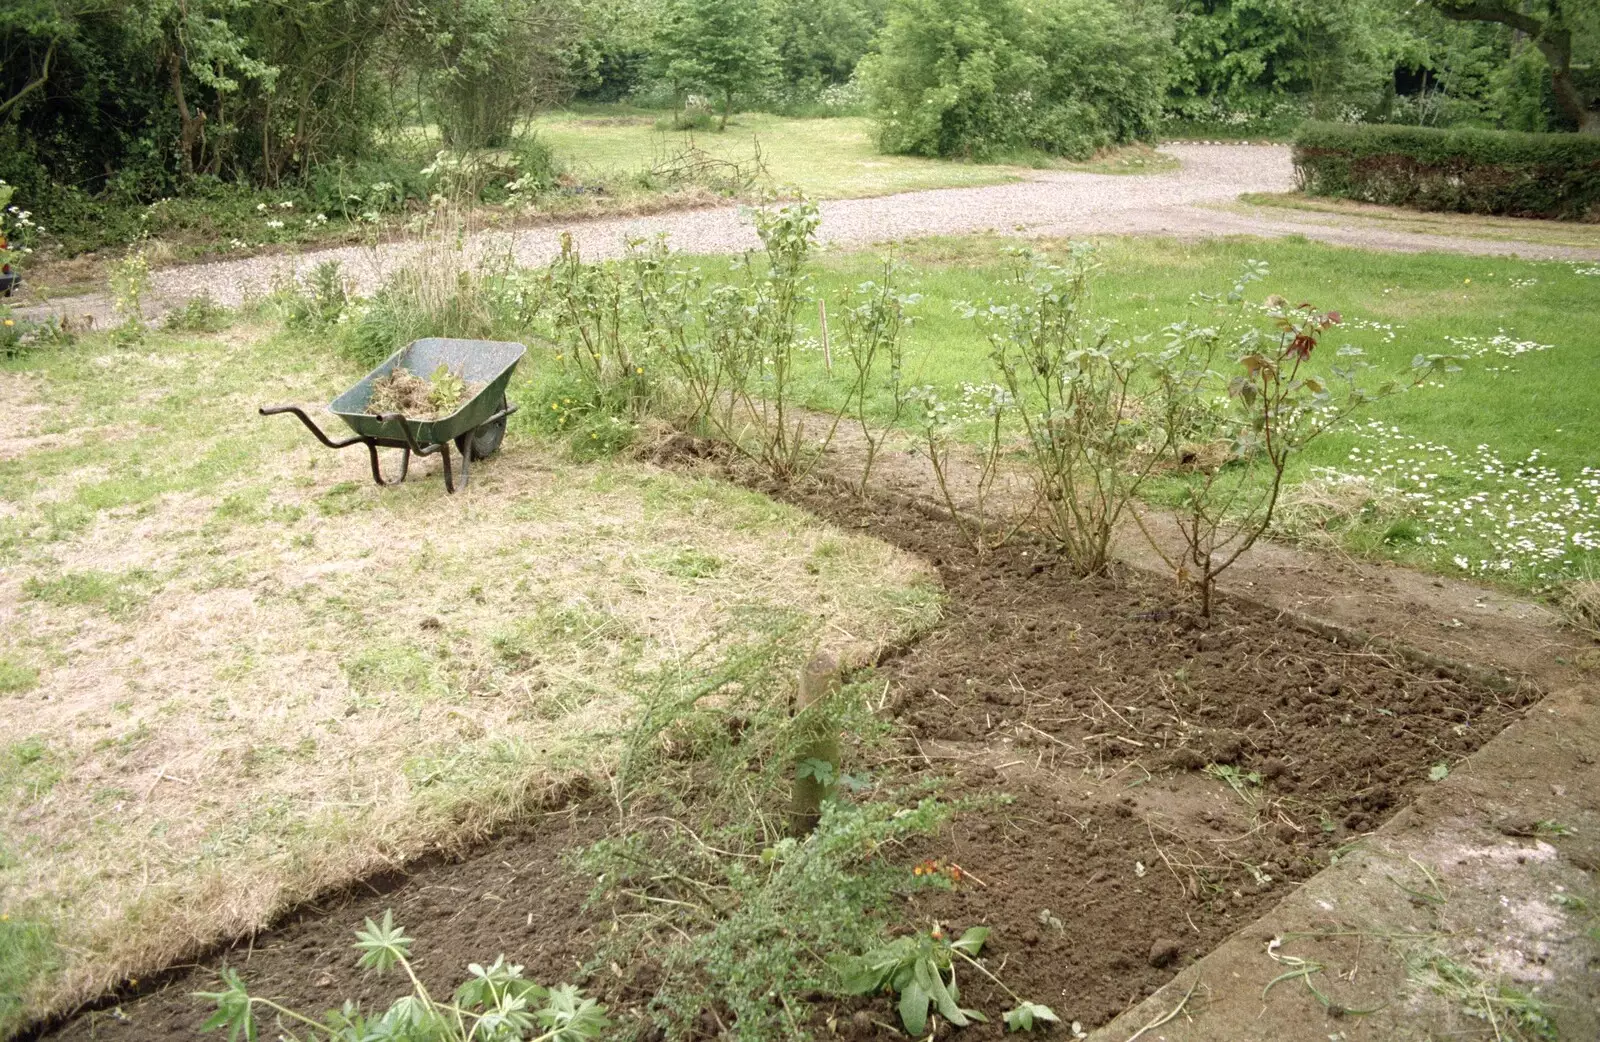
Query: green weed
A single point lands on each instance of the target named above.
(689, 563)
(29, 769)
(27, 954)
(117, 593)
(201, 314)
(16, 677)
(494, 1002)
(1508, 1008)
(384, 667)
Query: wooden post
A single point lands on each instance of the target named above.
(819, 753)
(827, 352)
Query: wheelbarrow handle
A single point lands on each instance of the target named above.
(274, 410)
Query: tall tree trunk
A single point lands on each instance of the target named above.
(1556, 46)
(189, 124)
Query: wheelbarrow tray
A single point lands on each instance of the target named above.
(485, 362)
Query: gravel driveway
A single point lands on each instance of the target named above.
(1049, 203)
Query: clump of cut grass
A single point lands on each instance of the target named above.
(1326, 507)
(402, 391)
(1512, 1012)
(28, 955)
(16, 677)
(1580, 600)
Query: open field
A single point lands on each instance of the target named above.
(233, 672)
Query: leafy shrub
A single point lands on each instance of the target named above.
(979, 79)
(1085, 400)
(1249, 56)
(1471, 171)
(365, 189)
(200, 314)
(690, 118)
(485, 64)
(1250, 378)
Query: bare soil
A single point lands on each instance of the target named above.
(1090, 708)
(1097, 705)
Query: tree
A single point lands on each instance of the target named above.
(1551, 25)
(819, 42)
(1252, 52)
(716, 46)
(981, 78)
(488, 63)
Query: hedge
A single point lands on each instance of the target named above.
(1470, 171)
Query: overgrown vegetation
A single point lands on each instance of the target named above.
(213, 125)
(496, 1003)
(581, 585)
(749, 917)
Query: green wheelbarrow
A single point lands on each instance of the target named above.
(476, 428)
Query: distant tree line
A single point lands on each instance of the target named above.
(141, 98)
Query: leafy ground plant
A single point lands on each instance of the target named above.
(494, 1004)
(921, 970)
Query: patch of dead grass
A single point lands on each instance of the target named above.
(326, 678)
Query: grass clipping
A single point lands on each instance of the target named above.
(402, 391)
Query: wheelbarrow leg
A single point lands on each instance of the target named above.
(449, 478)
(377, 470)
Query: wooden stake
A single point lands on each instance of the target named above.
(827, 353)
(818, 680)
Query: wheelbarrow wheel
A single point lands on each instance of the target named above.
(485, 440)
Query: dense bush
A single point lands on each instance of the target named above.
(1472, 171)
(976, 78)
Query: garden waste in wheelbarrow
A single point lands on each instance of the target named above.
(476, 427)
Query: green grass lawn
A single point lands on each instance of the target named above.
(827, 158)
(1459, 225)
(1532, 389)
